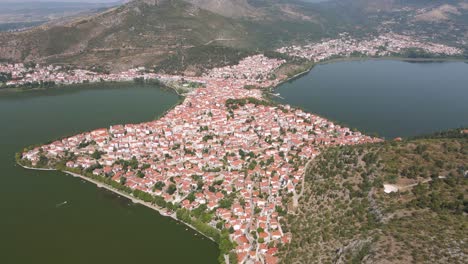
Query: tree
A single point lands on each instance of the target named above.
(96, 154)
(158, 186)
(133, 163)
(191, 197)
(257, 210)
(225, 244)
(140, 174)
(5, 77)
(123, 180)
(225, 203)
(200, 184)
(43, 161)
(233, 258)
(171, 189)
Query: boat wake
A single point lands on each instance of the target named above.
(61, 204)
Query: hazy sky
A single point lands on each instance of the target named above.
(38, 1)
(94, 1)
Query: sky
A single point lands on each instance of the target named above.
(38, 1)
(95, 1)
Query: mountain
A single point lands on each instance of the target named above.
(228, 8)
(444, 21)
(144, 32)
(350, 213)
(27, 12)
(151, 32)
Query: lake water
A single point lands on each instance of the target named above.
(94, 226)
(390, 98)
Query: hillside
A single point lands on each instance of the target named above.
(144, 32)
(137, 33)
(344, 215)
(152, 32)
(443, 21)
(28, 12)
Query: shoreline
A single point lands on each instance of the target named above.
(75, 87)
(386, 58)
(346, 59)
(390, 58)
(111, 84)
(351, 59)
(120, 193)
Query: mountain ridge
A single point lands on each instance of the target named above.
(147, 32)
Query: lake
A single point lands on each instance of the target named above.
(95, 225)
(387, 97)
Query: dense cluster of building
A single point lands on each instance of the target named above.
(383, 45)
(224, 149)
(22, 74)
(248, 69)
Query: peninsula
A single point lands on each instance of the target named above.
(266, 181)
(226, 161)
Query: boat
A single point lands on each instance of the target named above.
(61, 204)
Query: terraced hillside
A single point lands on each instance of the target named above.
(345, 216)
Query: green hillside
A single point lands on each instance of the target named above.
(344, 215)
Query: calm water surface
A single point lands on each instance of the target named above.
(95, 226)
(390, 98)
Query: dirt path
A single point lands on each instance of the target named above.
(296, 196)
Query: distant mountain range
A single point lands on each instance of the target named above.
(29, 11)
(147, 32)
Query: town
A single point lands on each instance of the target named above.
(35, 75)
(389, 44)
(225, 153)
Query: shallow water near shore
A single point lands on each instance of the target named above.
(51, 217)
(388, 97)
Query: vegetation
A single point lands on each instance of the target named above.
(345, 216)
(190, 218)
(35, 85)
(5, 77)
(294, 68)
(201, 58)
(233, 104)
(197, 218)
